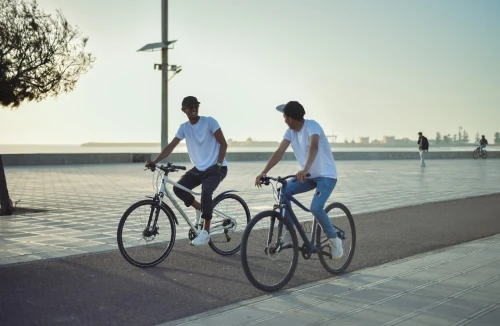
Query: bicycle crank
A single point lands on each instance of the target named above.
(305, 252)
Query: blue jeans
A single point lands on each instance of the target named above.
(481, 147)
(324, 188)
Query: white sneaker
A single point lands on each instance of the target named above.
(336, 248)
(286, 240)
(202, 239)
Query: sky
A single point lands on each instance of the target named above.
(359, 68)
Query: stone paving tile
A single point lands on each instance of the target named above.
(424, 319)
(84, 200)
(367, 298)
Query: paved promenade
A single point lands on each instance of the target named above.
(402, 211)
(82, 204)
(456, 286)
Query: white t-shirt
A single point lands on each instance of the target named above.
(203, 148)
(323, 165)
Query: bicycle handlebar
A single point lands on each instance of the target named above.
(170, 167)
(265, 180)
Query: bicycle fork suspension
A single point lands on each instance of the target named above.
(152, 230)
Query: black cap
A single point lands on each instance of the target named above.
(189, 100)
(294, 110)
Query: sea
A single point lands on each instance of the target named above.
(76, 148)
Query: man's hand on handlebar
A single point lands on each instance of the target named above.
(301, 175)
(150, 165)
(258, 179)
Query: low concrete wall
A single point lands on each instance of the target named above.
(103, 158)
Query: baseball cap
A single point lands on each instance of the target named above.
(293, 109)
(189, 100)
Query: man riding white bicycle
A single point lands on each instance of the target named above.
(313, 153)
(207, 148)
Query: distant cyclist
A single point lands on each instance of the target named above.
(482, 143)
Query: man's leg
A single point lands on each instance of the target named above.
(293, 188)
(324, 188)
(190, 180)
(211, 179)
(422, 161)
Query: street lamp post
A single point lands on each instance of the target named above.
(164, 74)
(164, 45)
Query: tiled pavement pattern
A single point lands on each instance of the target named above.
(455, 286)
(84, 203)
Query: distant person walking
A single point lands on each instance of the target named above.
(482, 143)
(423, 145)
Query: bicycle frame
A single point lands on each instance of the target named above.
(295, 222)
(164, 190)
(309, 244)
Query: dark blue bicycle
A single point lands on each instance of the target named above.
(269, 264)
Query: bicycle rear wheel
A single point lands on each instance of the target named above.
(484, 154)
(230, 217)
(344, 226)
(268, 266)
(475, 154)
(141, 245)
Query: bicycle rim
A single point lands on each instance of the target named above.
(226, 239)
(139, 245)
(266, 266)
(345, 228)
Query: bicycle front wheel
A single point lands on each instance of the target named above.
(475, 154)
(266, 264)
(230, 217)
(142, 242)
(344, 226)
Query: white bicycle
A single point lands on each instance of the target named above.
(146, 232)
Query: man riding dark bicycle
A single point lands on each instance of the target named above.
(313, 152)
(482, 143)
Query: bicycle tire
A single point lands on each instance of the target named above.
(339, 221)
(228, 241)
(484, 154)
(260, 260)
(142, 251)
(475, 154)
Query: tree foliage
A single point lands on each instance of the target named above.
(439, 139)
(40, 55)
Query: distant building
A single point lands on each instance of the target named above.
(364, 140)
(389, 140)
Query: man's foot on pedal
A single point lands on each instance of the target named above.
(286, 240)
(202, 239)
(336, 248)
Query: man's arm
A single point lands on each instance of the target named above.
(219, 136)
(311, 156)
(278, 154)
(275, 158)
(166, 151)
